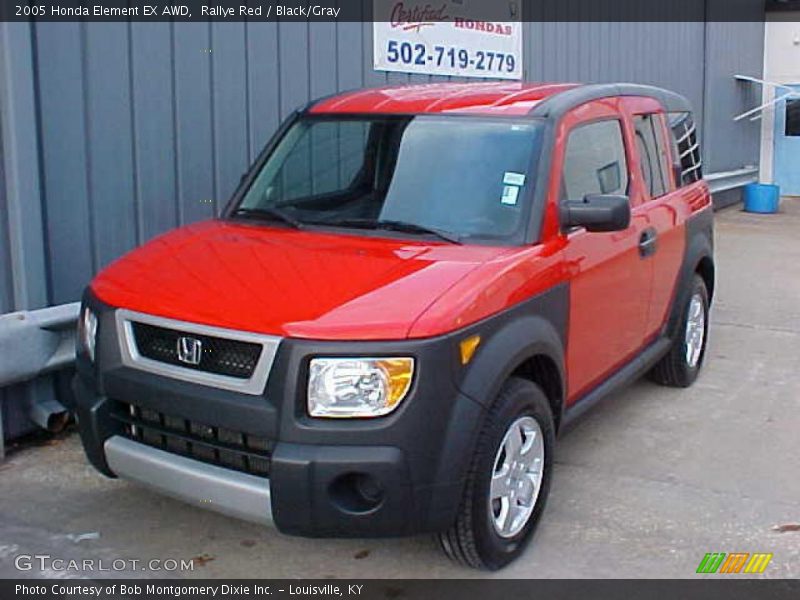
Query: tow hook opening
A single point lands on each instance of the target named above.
(356, 493)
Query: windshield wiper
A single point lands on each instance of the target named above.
(447, 236)
(270, 212)
(394, 225)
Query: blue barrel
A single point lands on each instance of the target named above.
(761, 198)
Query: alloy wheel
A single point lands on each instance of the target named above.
(695, 330)
(516, 477)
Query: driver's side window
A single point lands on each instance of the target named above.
(321, 157)
(594, 161)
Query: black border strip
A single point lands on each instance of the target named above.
(701, 587)
(362, 10)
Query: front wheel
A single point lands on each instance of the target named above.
(509, 481)
(680, 367)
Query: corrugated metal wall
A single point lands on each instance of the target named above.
(146, 126)
(6, 298)
(729, 52)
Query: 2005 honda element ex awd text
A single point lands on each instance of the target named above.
(411, 292)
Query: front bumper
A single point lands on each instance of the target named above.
(229, 492)
(395, 475)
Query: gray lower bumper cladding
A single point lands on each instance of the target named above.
(230, 492)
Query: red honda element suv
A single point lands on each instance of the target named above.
(412, 291)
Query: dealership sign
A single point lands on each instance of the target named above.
(448, 37)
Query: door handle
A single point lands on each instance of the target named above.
(648, 242)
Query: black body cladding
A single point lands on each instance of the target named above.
(419, 454)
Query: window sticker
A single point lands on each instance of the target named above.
(510, 195)
(512, 178)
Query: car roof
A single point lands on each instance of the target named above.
(483, 97)
(545, 100)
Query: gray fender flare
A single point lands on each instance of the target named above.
(699, 246)
(498, 355)
(506, 349)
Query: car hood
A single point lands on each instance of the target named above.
(287, 282)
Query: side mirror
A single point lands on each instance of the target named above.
(597, 212)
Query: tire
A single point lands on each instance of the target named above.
(676, 368)
(474, 539)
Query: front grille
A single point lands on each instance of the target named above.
(206, 443)
(217, 355)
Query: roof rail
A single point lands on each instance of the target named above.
(558, 104)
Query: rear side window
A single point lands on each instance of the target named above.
(686, 148)
(652, 150)
(594, 161)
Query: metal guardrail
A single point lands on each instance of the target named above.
(730, 180)
(33, 343)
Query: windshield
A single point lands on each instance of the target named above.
(456, 177)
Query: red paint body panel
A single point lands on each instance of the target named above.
(500, 98)
(494, 286)
(286, 282)
(607, 275)
(334, 286)
(609, 283)
(667, 215)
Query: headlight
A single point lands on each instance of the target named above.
(357, 387)
(87, 331)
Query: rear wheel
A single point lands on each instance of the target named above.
(680, 367)
(509, 480)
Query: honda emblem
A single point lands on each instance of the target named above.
(190, 350)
